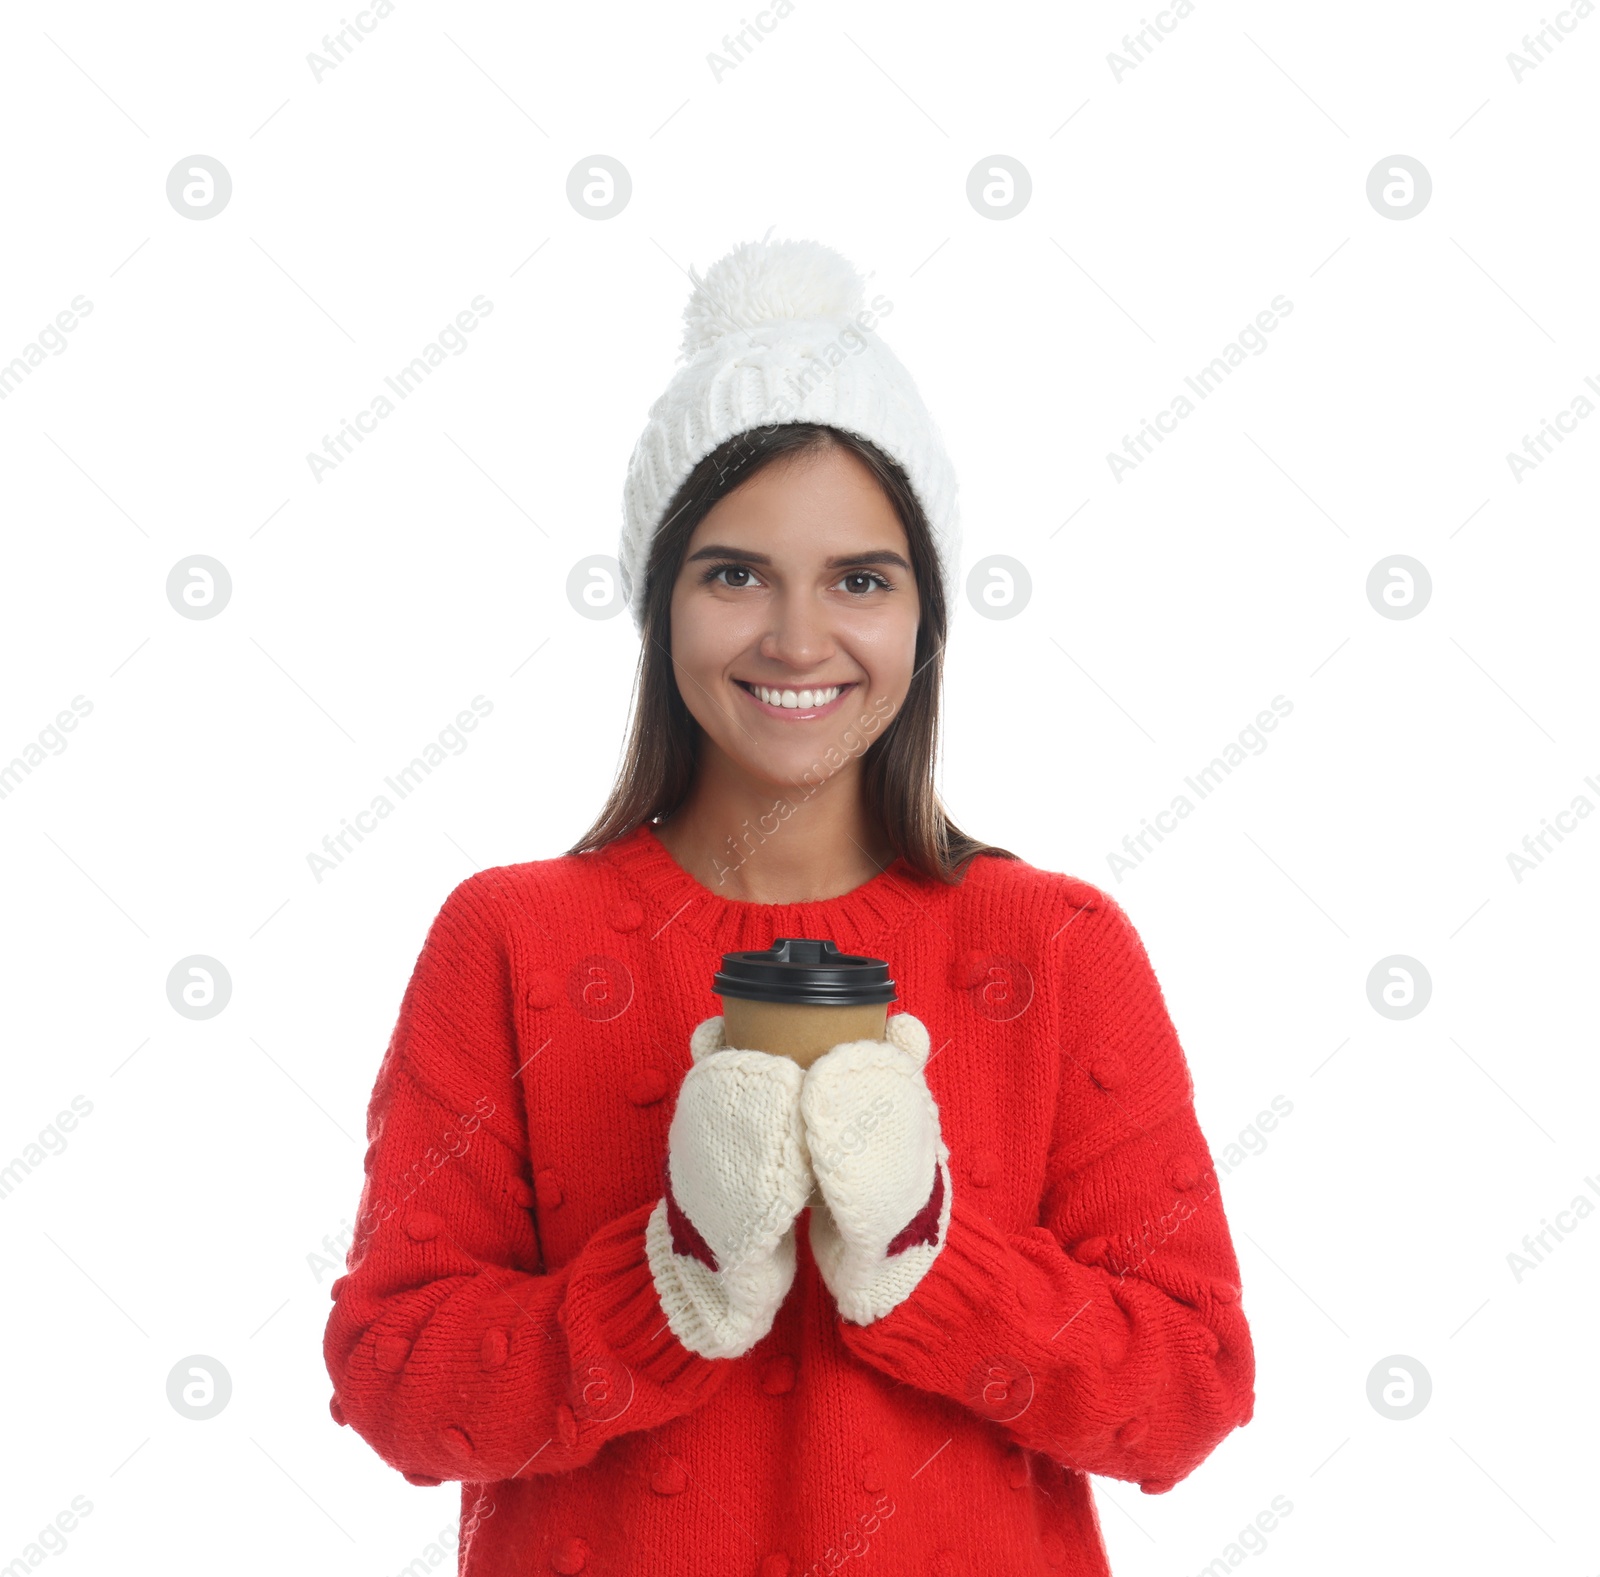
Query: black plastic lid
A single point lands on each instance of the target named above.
(804, 970)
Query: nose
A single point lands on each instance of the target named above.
(801, 634)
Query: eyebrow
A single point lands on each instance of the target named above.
(716, 550)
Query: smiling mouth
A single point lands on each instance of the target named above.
(807, 702)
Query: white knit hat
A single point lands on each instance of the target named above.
(776, 333)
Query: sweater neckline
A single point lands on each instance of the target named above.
(856, 919)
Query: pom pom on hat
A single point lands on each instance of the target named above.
(776, 333)
(758, 282)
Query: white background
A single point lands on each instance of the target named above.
(1167, 609)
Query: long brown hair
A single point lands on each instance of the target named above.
(658, 769)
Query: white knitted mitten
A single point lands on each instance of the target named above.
(721, 1241)
(882, 1169)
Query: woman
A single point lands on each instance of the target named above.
(667, 1306)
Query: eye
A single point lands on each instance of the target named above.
(716, 570)
(874, 581)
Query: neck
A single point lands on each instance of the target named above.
(760, 843)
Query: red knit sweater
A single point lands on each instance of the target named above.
(498, 1323)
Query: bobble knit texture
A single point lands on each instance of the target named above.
(780, 332)
(499, 1323)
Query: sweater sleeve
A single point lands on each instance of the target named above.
(1109, 1336)
(454, 1351)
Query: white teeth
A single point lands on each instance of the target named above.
(802, 698)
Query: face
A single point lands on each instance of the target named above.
(797, 582)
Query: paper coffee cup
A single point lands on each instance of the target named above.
(801, 997)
